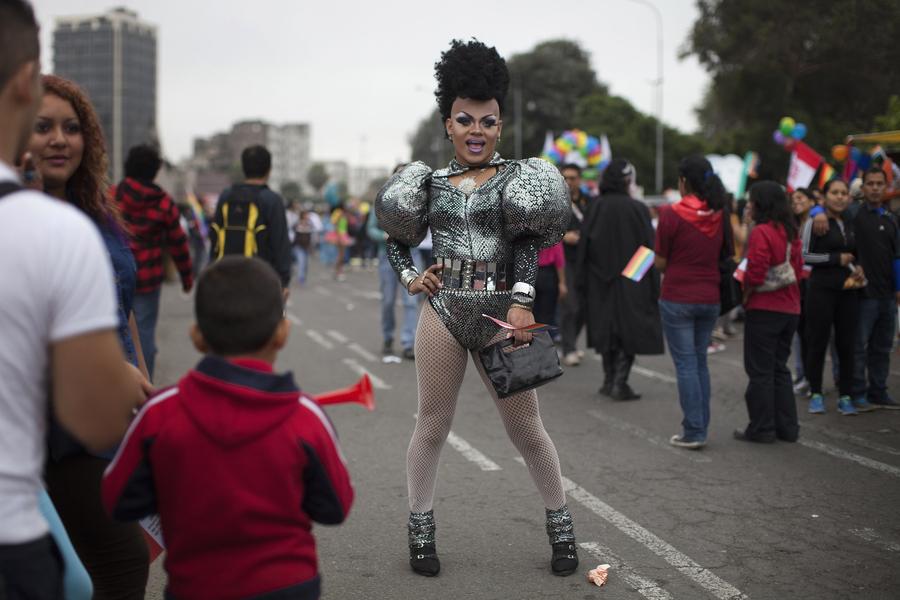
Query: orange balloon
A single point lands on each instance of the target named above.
(839, 152)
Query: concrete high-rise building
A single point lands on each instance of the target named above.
(219, 156)
(112, 56)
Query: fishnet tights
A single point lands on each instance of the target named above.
(440, 366)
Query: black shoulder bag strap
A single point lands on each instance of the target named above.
(9, 187)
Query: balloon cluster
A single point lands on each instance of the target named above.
(847, 152)
(576, 146)
(789, 132)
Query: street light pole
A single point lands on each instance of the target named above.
(659, 92)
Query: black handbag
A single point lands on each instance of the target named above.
(730, 293)
(514, 369)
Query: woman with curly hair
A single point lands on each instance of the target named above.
(70, 158)
(489, 217)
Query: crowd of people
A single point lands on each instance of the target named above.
(88, 446)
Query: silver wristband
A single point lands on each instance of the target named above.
(407, 276)
(521, 289)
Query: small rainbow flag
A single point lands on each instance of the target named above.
(826, 173)
(639, 264)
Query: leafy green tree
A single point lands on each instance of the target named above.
(429, 142)
(632, 135)
(827, 63)
(317, 177)
(890, 120)
(290, 190)
(546, 85)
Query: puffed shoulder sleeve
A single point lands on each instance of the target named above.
(402, 204)
(536, 203)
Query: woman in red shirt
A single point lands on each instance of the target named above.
(689, 240)
(771, 316)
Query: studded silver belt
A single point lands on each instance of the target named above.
(476, 274)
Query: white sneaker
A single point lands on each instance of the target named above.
(571, 359)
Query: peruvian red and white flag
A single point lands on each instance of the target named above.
(804, 163)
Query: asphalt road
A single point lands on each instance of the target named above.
(819, 519)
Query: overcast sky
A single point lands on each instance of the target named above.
(361, 73)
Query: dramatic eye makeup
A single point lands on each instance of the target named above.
(466, 120)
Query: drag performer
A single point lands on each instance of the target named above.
(488, 217)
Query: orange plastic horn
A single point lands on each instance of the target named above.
(360, 392)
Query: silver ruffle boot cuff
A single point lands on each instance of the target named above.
(559, 525)
(421, 528)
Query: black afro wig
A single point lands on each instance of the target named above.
(470, 70)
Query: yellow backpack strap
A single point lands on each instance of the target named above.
(250, 248)
(220, 231)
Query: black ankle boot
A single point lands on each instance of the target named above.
(620, 389)
(608, 373)
(561, 532)
(422, 550)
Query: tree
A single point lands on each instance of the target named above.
(632, 135)
(291, 191)
(827, 63)
(890, 120)
(317, 177)
(549, 80)
(429, 142)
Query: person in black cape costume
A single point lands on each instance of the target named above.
(622, 315)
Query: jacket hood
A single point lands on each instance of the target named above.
(234, 403)
(133, 193)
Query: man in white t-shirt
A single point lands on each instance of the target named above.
(58, 321)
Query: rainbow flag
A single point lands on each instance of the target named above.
(826, 173)
(639, 264)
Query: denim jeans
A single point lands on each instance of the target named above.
(301, 257)
(688, 328)
(390, 285)
(872, 348)
(146, 313)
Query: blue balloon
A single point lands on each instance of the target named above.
(799, 131)
(864, 162)
(332, 194)
(855, 154)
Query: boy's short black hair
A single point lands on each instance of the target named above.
(238, 305)
(18, 37)
(143, 162)
(256, 162)
(568, 166)
(874, 170)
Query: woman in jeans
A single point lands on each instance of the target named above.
(689, 240)
(772, 316)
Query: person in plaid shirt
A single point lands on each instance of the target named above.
(152, 218)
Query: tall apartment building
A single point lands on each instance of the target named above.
(112, 56)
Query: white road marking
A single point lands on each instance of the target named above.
(653, 374)
(350, 306)
(683, 563)
(294, 319)
(322, 290)
(870, 535)
(319, 339)
(360, 370)
(362, 352)
(727, 361)
(337, 336)
(862, 460)
(645, 587)
(367, 294)
(469, 452)
(852, 439)
(647, 436)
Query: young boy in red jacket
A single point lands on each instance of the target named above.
(235, 459)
